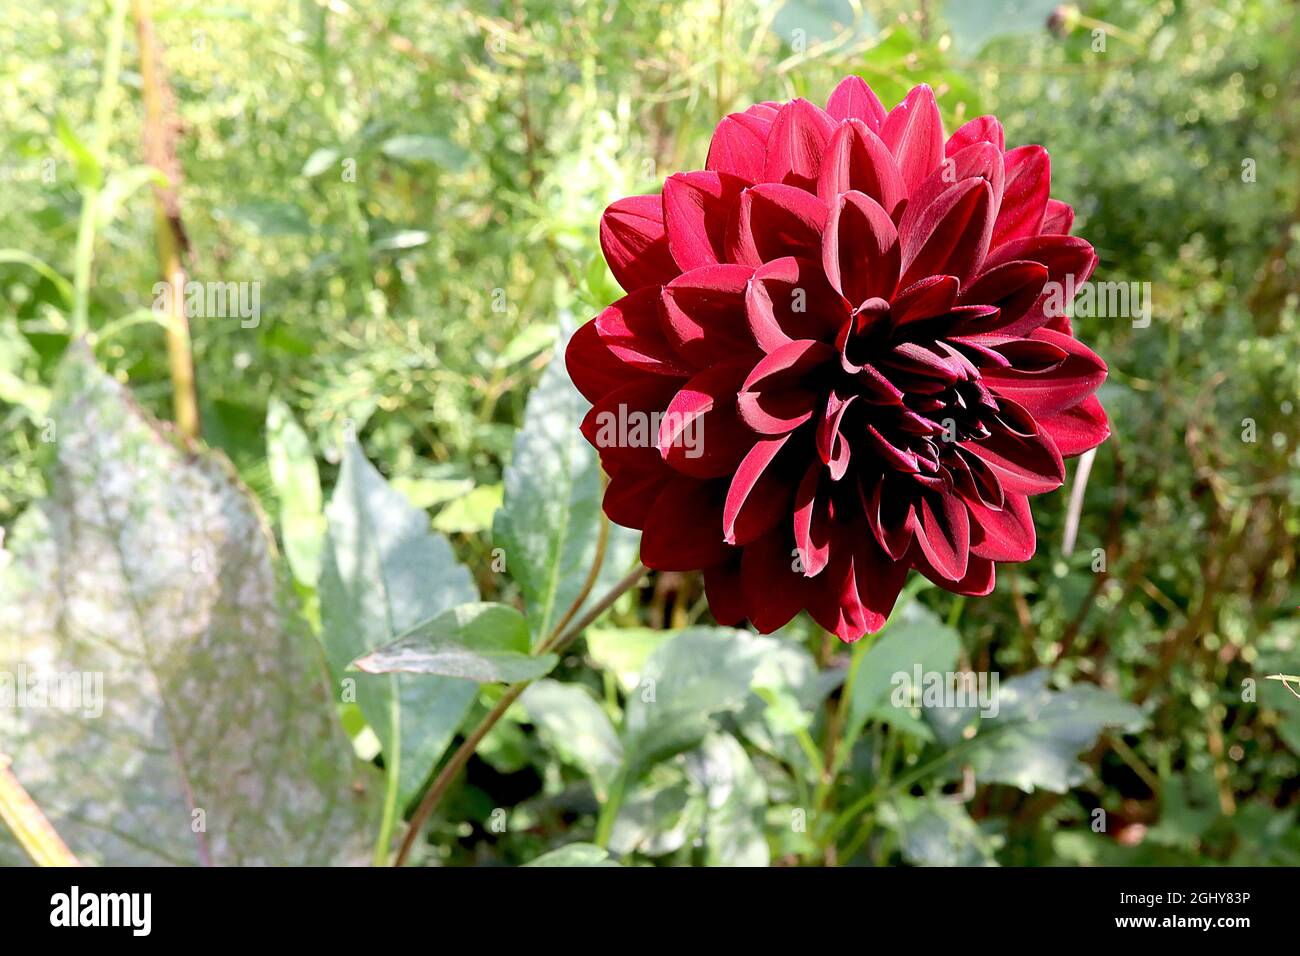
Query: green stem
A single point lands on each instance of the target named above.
(392, 783)
(85, 249)
(609, 810)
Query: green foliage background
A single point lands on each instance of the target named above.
(415, 303)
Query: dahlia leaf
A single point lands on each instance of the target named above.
(383, 573)
(700, 673)
(916, 640)
(933, 831)
(549, 524)
(485, 643)
(573, 725)
(735, 798)
(296, 481)
(200, 730)
(575, 854)
(1032, 736)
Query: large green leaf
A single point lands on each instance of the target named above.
(735, 800)
(936, 831)
(150, 569)
(572, 724)
(296, 480)
(486, 643)
(550, 521)
(916, 639)
(1036, 735)
(700, 673)
(575, 854)
(383, 573)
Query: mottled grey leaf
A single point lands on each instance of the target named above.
(148, 581)
(383, 573)
(550, 521)
(486, 643)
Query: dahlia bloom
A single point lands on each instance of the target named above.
(839, 335)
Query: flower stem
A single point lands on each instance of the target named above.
(85, 248)
(33, 830)
(609, 810)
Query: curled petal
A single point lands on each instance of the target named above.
(1076, 375)
(779, 394)
(856, 158)
(1024, 197)
(759, 494)
(796, 145)
(635, 245)
(854, 99)
(701, 433)
(790, 299)
(913, 131)
(697, 207)
(812, 522)
(704, 313)
(943, 533)
(772, 220)
(860, 251)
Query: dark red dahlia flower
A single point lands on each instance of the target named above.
(837, 360)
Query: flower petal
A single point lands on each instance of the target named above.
(854, 99)
(683, 531)
(790, 299)
(771, 221)
(1005, 534)
(796, 145)
(1075, 430)
(952, 236)
(1024, 197)
(704, 315)
(943, 533)
(913, 131)
(1058, 219)
(1064, 385)
(701, 433)
(635, 246)
(697, 207)
(759, 494)
(739, 143)
(856, 158)
(982, 129)
(860, 252)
